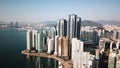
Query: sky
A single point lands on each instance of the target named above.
(52, 10)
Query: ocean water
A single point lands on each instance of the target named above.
(12, 42)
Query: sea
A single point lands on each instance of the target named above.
(12, 42)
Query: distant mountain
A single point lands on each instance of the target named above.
(49, 22)
(90, 23)
(83, 23)
(1, 22)
(26, 23)
(110, 22)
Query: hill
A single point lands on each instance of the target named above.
(90, 23)
(83, 23)
(110, 22)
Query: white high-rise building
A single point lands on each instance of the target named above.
(80, 58)
(50, 45)
(111, 61)
(35, 40)
(77, 45)
(29, 39)
(97, 54)
(60, 46)
(118, 60)
(56, 45)
(41, 40)
(114, 56)
(34, 37)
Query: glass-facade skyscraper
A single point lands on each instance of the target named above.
(62, 27)
(41, 40)
(73, 26)
(78, 27)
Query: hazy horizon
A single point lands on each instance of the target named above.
(52, 10)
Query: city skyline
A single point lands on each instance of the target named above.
(45, 10)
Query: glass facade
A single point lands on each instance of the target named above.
(62, 27)
(41, 39)
(73, 26)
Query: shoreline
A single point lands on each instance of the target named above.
(65, 63)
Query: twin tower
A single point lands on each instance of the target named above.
(71, 27)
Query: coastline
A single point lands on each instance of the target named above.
(65, 63)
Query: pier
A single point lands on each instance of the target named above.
(65, 63)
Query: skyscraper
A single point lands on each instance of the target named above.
(115, 34)
(62, 47)
(80, 58)
(78, 27)
(50, 45)
(16, 25)
(112, 60)
(41, 41)
(118, 33)
(32, 39)
(11, 24)
(29, 39)
(66, 48)
(68, 26)
(73, 26)
(62, 27)
(56, 45)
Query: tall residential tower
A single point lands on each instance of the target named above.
(62, 27)
(73, 26)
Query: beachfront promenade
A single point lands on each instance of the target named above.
(65, 63)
